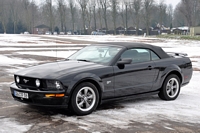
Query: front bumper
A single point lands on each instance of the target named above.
(38, 98)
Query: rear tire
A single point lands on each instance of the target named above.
(171, 88)
(85, 99)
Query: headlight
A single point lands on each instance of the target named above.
(53, 84)
(58, 85)
(17, 79)
(37, 82)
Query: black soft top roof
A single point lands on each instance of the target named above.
(158, 50)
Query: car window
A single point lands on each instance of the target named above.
(154, 56)
(137, 55)
(98, 54)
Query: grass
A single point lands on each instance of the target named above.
(183, 37)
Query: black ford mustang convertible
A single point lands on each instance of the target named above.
(103, 72)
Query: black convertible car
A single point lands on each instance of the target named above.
(103, 72)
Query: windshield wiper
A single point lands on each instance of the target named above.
(83, 60)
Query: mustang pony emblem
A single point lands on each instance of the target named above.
(25, 80)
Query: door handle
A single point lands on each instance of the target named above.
(150, 67)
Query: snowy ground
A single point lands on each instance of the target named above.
(151, 114)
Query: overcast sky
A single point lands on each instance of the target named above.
(173, 2)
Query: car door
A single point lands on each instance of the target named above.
(137, 77)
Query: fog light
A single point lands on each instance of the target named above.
(37, 82)
(17, 79)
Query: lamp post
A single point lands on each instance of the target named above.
(126, 8)
(95, 23)
(94, 13)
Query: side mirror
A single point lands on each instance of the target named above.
(124, 61)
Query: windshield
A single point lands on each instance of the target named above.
(97, 54)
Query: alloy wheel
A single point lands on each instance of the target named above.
(85, 99)
(172, 87)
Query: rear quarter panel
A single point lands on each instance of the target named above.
(164, 67)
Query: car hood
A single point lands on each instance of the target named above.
(57, 69)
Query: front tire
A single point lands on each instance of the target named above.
(84, 99)
(171, 88)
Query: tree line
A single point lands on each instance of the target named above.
(17, 16)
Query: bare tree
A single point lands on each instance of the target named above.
(4, 14)
(62, 10)
(170, 15)
(89, 14)
(99, 14)
(147, 12)
(14, 12)
(188, 9)
(126, 2)
(196, 11)
(83, 4)
(162, 12)
(179, 18)
(26, 5)
(191, 9)
(72, 12)
(104, 6)
(49, 14)
(123, 11)
(114, 6)
(93, 4)
(34, 11)
(136, 6)
(24, 14)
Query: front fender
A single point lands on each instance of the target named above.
(84, 77)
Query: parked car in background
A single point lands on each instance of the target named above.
(48, 33)
(26, 32)
(97, 33)
(69, 33)
(55, 33)
(103, 72)
(62, 33)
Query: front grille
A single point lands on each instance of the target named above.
(28, 83)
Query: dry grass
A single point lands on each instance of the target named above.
(27, 42)
(56, 41)
(61, 42)
(196, 69)
(194, 61)
(195, 57)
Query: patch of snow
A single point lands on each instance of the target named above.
(4, 61)
(151, 110)
(13, 70)
(61, 54)
(35, 49)
(12, 126)
(106, 38)
(148, 111)
(5, 83)
(168, 128)
(24, 40)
